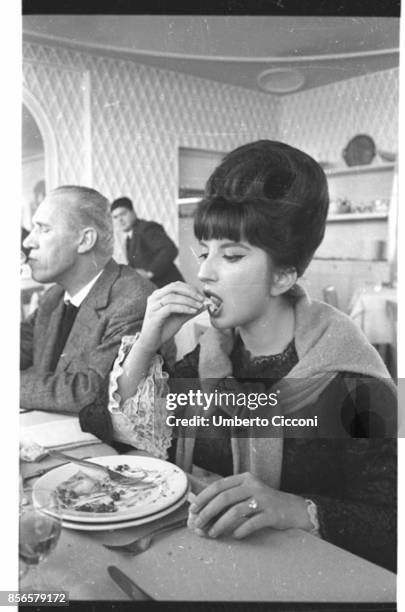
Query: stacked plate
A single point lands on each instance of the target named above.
(162, 489)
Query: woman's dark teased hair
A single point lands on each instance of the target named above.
(273, 196)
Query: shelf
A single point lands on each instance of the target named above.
(359, 169)
(358, 216)
(349, 260)
(335, 217)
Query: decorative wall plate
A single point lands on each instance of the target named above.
(360, 151)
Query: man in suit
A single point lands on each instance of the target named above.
(68, 345)
(144, 245)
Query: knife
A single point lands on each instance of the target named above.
(126, 583)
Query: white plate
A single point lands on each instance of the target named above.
(172, 486)
(125, 524)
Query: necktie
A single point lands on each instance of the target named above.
(66, 323)
(127, 247)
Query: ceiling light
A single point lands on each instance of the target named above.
(280, 80)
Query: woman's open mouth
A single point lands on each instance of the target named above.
(212, 303)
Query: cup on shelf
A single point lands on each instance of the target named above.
(381, 205)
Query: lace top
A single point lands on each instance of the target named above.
(275, 367)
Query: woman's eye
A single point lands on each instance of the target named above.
(202, 256)
(233, 258)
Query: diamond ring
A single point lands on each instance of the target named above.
(253, 505)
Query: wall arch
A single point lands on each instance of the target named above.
(48, 136)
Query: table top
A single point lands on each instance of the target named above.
(288, 566)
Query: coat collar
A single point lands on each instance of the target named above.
(87, 317)
(99, 296)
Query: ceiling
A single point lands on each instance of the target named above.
(236, 49)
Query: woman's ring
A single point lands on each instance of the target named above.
(253, 505)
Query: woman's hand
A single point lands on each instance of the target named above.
(240, 505)
(167, 310)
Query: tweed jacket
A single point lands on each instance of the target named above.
(114, 307)
(151, 248)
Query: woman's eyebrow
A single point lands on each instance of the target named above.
(235, 244)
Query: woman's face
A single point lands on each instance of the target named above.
(240, 276)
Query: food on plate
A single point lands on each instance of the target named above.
(82, 485)
(30, 450)
(91, 492)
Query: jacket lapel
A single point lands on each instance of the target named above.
(89, 314)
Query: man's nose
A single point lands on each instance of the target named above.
(29, 241)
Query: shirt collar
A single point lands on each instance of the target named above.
(79, 297)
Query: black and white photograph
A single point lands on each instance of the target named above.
(208, 240)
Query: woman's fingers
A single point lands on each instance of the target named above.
(180, 300)
(175, 293)
(214, 489)
(229, 521)
(177, 309)
(250, 525)
(237, 505)
(223, 503)
(178, 288)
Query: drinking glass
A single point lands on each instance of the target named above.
(39, 530)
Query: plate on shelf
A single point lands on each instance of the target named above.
(161, 485)
(387, 156)
(360, 151)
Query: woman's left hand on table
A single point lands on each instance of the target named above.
(242, 504)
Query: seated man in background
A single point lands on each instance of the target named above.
(68, 345)
(144, 245)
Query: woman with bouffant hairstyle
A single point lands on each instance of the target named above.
(330, 469)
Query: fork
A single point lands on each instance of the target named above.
(113, 475)
(143, 543)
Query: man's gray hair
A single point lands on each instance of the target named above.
(86, 207)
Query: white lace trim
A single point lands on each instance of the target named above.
(141, 420)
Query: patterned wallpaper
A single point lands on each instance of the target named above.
(57, 87)
(323, 120)
(119, 124)
(139, 116)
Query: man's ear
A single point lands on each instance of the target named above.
(88, 239)
(283, 280)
